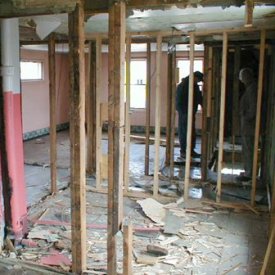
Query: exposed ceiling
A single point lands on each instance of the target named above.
(165, 20)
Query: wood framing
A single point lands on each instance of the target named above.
(117, 15)
(173, 113)
(148, 110)
(168, 108)
(127, 249)
(249, 7)
(98, 112)
(91, 111)
(222, 112)
(127, 113)
(77, 136)
(190, 117)
(157, 115)
(52, 90)
(204, 140)
(258, 116)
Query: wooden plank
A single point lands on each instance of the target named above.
(258, 116)
(249, 7)
(52, 90)
(127, 113)
(98, 111)
(168, 108)
(209, 109)
(91, 111)
(173, 113)
(269, 256)
(148, 110)
(77, 135)
(222, 115)
(157, 115)
(190, 117)
(127, 248)
(204, 140)
(117, 14)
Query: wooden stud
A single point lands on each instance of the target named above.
(204, 140)
(52, 89)
(269, 254)
(168, 108)
(98, 112)
(127, 113)
(148, 110)
(258, 116)
(249, 7)
(222, 113)
(190, 117)
(116, 107)
(157, 115)
(173, 113)
(91, 111)
(127, 249)
(235, 111)
(77, 135)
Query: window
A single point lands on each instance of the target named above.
(138, 84)
(31, 70)
(184, 67)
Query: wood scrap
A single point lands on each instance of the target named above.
(234, 206)
(252, 208)
(157, 250)
(145, 259)
(232, 269)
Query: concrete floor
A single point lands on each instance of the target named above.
(221, 242)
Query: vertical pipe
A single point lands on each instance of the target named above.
(190, 117)
(222, 111)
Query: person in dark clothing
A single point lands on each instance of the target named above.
(182, 109)
(248, 106)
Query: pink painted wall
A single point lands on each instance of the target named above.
(35, 94)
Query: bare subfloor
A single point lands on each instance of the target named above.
(196, 237)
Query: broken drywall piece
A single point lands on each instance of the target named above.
(153, 209)
(173, 223)
(56, 259)
(145, 259)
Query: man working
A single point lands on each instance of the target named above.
(248, 106)
(182, 109)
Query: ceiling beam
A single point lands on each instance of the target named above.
(101, 6)
(19, 8)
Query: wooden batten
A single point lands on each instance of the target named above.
(249, 7)
(127, 249)
(117, 15)
(168, 110)
(52, 89)
(190, 117)
(222, 114)
(77, 136)
(258, 116)
(157, 115)
(91, 111)
(148, 110)
(205, 104)
(127, 114)
(98, 112)
(173, 113)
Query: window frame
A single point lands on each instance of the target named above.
(42, 62)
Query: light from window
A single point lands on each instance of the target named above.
(138, 84)
(31, 70)
(184, 67)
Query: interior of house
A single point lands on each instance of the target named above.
(102, 172)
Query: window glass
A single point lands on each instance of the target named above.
(31, 70)
(138, 84)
